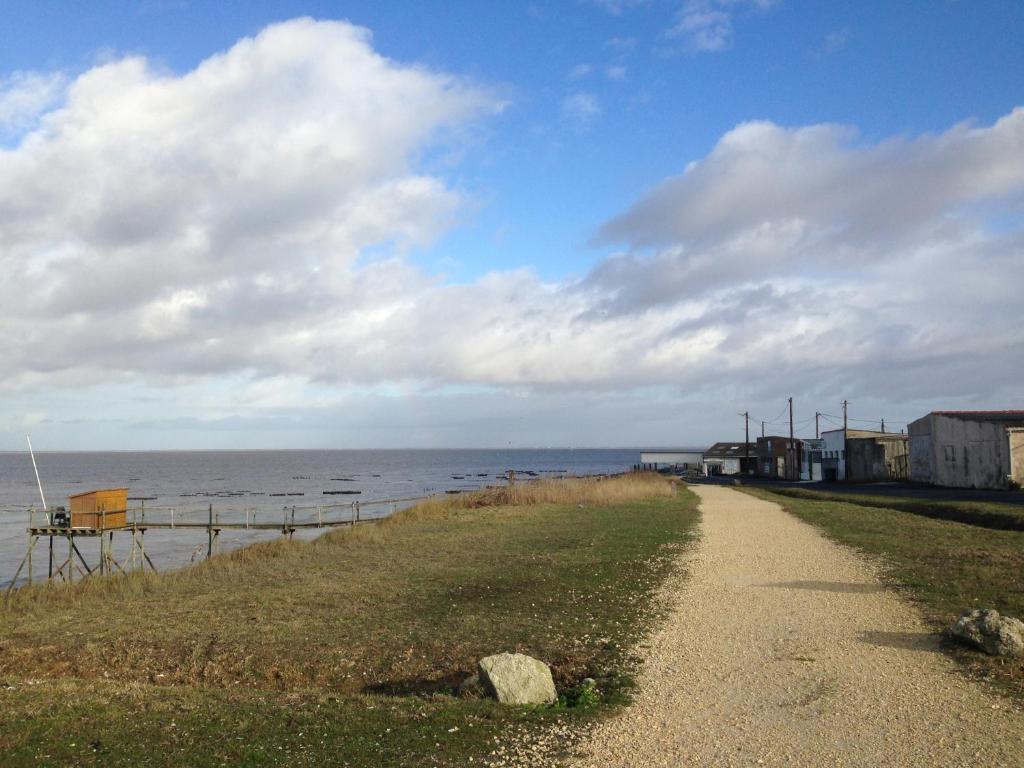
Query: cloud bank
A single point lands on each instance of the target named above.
(249, 221)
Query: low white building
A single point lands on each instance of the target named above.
(730, 458)
(833, 454)
(968, 449)
(682, 459)
(811, 451)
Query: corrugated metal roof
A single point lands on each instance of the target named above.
(983, 414)
(734, 450)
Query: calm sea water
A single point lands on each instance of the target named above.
(261, 485)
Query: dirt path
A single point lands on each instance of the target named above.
(782, 648)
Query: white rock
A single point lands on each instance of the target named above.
(996, 635)
(514, 678)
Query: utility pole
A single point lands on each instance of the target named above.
(746, 439)
(883, 426)
(817, 432)
(846, 467)
(792, 447)
(762, 429)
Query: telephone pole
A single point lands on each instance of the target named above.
(792, 447)
(762, 429)
(817, 432)
(883, 426)
(746, 439)
(846, 467)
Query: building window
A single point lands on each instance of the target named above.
(950, 453)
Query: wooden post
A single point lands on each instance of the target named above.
(209, 534)
(71, 556)
(31, 544)
(28, 557)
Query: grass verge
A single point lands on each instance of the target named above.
(1007, 517)
(345, 650)
(943, 566)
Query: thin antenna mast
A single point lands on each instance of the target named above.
(38, 481)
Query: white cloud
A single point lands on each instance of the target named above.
(24, 96)
(886, 267)
(821, 178)
(707, 25)
(191, 223)
(242, 229)
(581, 108)
(616, 72)
(579, 72)
(618, 7)
(836, 40)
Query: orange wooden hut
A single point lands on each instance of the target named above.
(102, 509)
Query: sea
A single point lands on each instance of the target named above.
(260, 486)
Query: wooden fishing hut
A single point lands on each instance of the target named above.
(100, 510)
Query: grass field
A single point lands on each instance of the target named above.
(347, 649)
(942, 565)
(983, 513)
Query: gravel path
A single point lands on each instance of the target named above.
(782, 648)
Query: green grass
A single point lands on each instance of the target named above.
(942, 565)
(982, 513)
(345, 649)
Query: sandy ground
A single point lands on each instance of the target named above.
(783, 648)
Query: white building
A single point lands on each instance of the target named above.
(968, 449)
(833, 454)
(730, 458)
(863, 455)
(811, 451)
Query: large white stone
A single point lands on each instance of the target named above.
(514, 678)
(996, 635)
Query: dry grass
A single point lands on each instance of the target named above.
(592, 491)
(352, 623)
(617, 489)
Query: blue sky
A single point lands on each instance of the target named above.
(542, 214)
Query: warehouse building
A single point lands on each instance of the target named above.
(968, 449)
(863, 455)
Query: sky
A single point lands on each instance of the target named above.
(459, 224)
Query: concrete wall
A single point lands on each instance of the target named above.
(723, 466)
(969, 453)
(874, 459)
(922, 451)
(1015, 438)
(771, 456)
